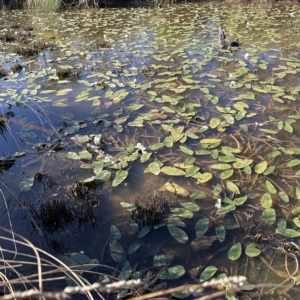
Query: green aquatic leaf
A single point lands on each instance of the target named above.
(293, 163)
(192, 171)
(156, 146)
(117, 252)
(220, 166)
(202, 226)
(232, 187)
(181, 212)
(269, 215)
(274, 154)
(226, 174)
(134, 247)
(296, 211)
(73, 155)
(240, 200)
(85, 155)
(208, 272)
(284, 196)
(298, 192)
(290, 233)
(103, 175)
(190, 205)
(154, 167)
(189, 161)
(252, 251)
(115, 232)
(178, 234)
(145, 230)
(202, 178)
(198, 195)
(172, 171)
(228, 158)
(159, 260)
(261, 167)
(214, 123)
(121, 175)
(296, 222)
(145, 157)
(220, 233)
(186, 150)
(281, 225)
(210, 141)
(242, 163)
(128, 206)
(269, 170)
(266, 200)
(235, 251)
(176, 222)
(270, 187)
(172, 273)
(269, 131)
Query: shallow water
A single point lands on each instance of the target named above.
(156, 77)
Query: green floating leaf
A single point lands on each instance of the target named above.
(192, 171)
(229, 206)
(270, 187)
(269, 170)
(73, 155)
(266, 200)
(202, 178)
(181, 294)
(190, 205)
(226, 174)
(154, 167)
(269, 216)
(297, 222)
(121, 175)
(198, 195)
(181, 212)
(296, 211)
(178, 234)
(210, 141)
(159, 260)
(240, 200)
(242, 163)
(117, 252)
(145, 230)
(85, 155)
(290, 233)
(172, 273)
(145, 157)
(284, 197)
(293, 163)
(176, 222)
(298, 192)
(103, 175)
(133, 247)
(172, 171)
(115, 232)
(232, 187)
(208, 272)
(128, 206)
(261, 167)
(214, 123)
(26, 184)
(220, 166)
(220, 233)
(235, 251)
(201, 226)
(281, 225)
(252, 251)
(186, 150)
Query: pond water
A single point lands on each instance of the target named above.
(129, 138)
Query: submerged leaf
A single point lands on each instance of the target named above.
(172, 273)
(235, 251)
(208, 273)
(178, 234)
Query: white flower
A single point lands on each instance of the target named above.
(258, 124)
(232, 83)
(292, 15)
(231, 76)
(140, 148)
(218, 204)
(248, 24)
(246, 55)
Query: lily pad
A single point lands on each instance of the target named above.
(235, 251)
(252, 251)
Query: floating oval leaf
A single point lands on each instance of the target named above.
(73, 155)
(172, 273)
(103, 175)
(296, 211)
(252, 251)
(210, 141)
(261, 167)
(220, 166)
(284, 196)
(146, 229)
(190, 205)
(133, 247)
(270, 187)
(117, 252)
(201, 226)
(242, 163)
(208, 273)
(121, 175)
(214, 123)
(235, 251)
(290, 233)
(26, 184)
(232, 187)
(181, 212)
(281, 225)
(172, 171)
(266, 200)
(269, 216)
(159, 260)
(202, 178)
(176, 222)
(226, 174)
(178, 234)
(220, 232)
(115, 232)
